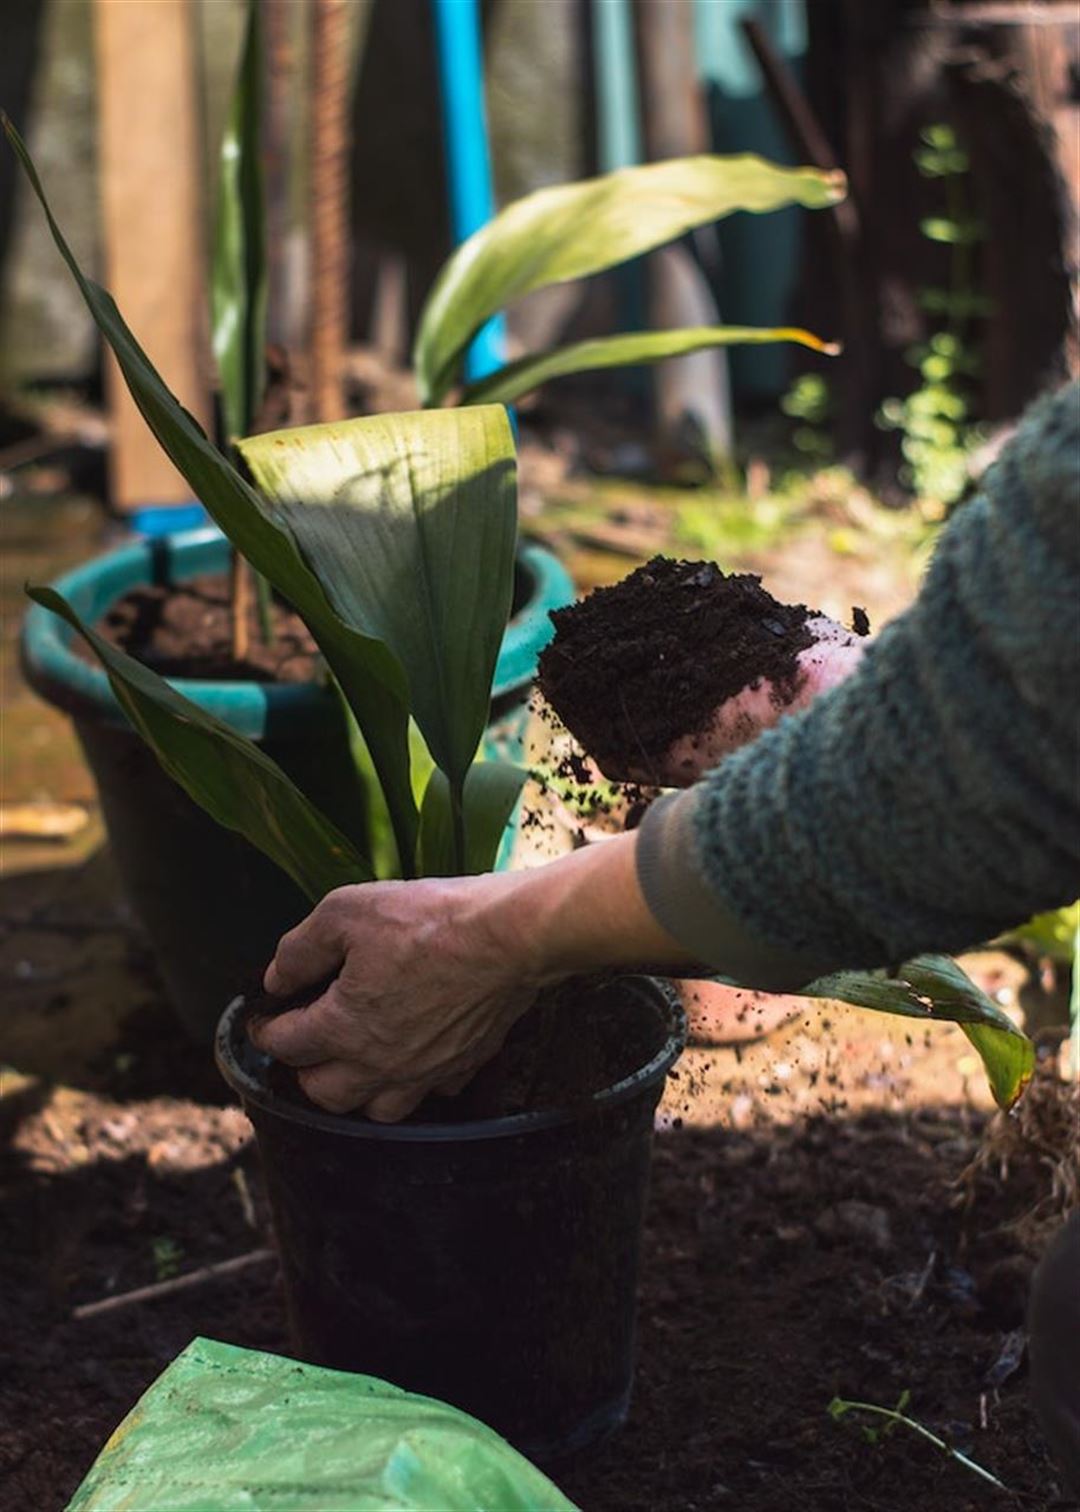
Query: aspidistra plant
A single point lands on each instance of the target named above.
(393, 537)
(400, 562)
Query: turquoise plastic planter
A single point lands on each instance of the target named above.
(253, 709)
(213, 906)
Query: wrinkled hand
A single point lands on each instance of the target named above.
(835, 654)
(425, 991)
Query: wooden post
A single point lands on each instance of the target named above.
(1052, 53)
(280, 96)
(806, 135)
(152, 224)
(329, 206)
(692, 395)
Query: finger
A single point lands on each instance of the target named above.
(478, 1056)
(454, 1085)
(335, 1085)
(299, 1038)
(312, 951)
(835, 654)
(396, 1104)
(822, 628)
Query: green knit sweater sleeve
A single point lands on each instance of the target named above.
(932, 799)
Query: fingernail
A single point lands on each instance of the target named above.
(254, 1027)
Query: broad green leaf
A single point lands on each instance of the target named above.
(933, 988)
(370, 676)
(492, 788)
(238, 271)
(225, 773)
(1050, 934)
(410, 521)
(634, 348)
(571, 230)
(384, 856)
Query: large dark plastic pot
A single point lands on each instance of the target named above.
(213, 906)
(491, 1264)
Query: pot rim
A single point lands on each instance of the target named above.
(82, 688)
(251, 1090)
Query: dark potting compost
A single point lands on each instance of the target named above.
(184, 629)
(754, 1310)
(555, 1056)
(635, 666)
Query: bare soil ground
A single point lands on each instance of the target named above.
(810, 1233)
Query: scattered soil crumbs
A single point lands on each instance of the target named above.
(185, 630)
(784, 1263)
(635, 666)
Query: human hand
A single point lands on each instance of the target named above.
(426, 986)
(834, 655)
(429, 977)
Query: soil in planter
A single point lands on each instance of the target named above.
(557, 1055)
(634, 667)
(560, 1053)
(185, 630)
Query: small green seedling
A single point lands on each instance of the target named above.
(167, 1257)
(895, 1417)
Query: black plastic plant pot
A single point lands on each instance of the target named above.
(491, 1264)
(213, 906)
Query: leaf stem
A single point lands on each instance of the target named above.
(262, 609)
(240, 597)
(457, 820)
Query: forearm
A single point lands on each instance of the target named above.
(585, 912)
(931, 800)
(596, 910)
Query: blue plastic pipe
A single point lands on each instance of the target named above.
(618, 142)
(618, 138)
(155, 520)
(459, 48)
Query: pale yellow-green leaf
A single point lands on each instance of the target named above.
(571, 230)
(629, 350)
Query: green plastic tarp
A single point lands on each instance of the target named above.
(225, 1428)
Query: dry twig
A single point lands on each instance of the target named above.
(174, 1284)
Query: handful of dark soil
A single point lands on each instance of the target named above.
(634, 667)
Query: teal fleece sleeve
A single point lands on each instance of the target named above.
(931, 800)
